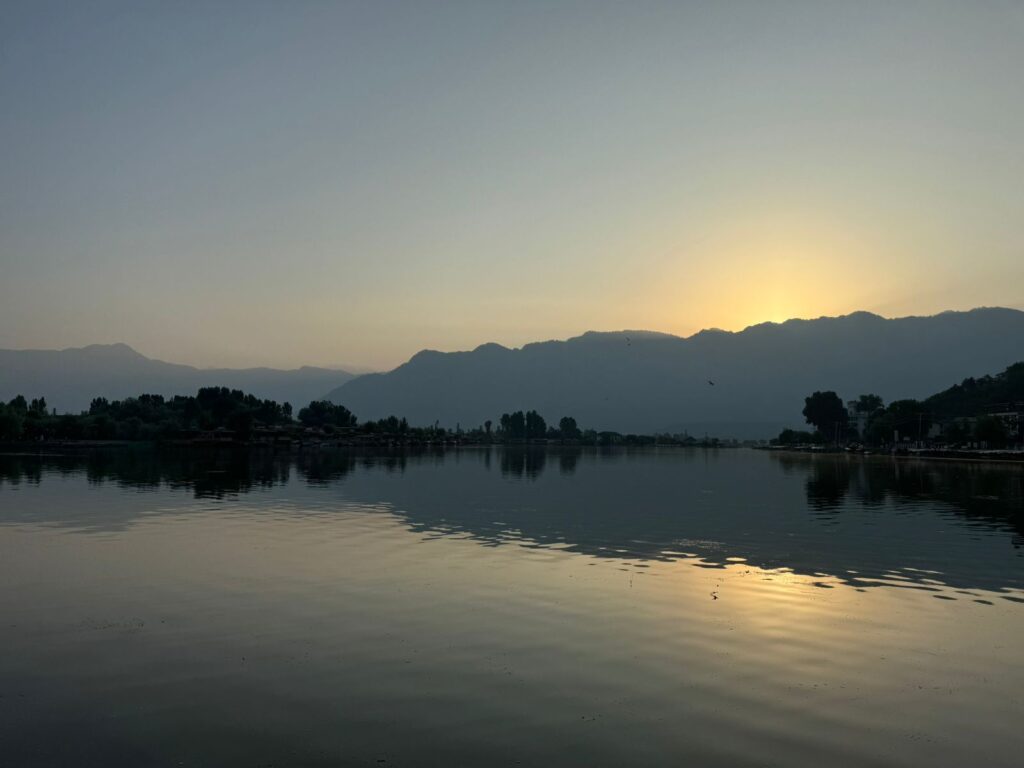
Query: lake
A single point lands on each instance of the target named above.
(495, 607)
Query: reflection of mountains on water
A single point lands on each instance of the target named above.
(861, 520)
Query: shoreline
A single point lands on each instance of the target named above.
(72, 447)
(55, 449)
(981, 456)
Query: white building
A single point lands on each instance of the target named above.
(855, 419)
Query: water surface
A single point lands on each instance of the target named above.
(493, 607)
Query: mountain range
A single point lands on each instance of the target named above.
(749, 383)
(70, 378)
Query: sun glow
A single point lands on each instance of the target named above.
(769, 267)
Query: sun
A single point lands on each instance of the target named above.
(770, 266)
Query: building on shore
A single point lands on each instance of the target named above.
(856, 419)
(1012, 417)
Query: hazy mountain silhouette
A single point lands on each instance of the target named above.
(70, 378)
(746, 384)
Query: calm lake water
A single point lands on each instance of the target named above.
(491, 607)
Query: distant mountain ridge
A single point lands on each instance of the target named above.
(749, 383)
(70, 378)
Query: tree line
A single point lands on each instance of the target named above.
(964, 413)
(155, 418)
(146, 417)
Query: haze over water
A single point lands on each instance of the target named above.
(509, 607)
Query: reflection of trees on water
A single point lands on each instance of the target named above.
(525, 463)
(864, 521)
(568, 458)
(208, 472)
(982, 492)
(978, 490)
(830, 481)
(826, 486)
(214, 471)
(866, 515)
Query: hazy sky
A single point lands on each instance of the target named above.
(289, 183)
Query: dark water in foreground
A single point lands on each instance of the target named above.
(510, 608)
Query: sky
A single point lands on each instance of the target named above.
(294, 183)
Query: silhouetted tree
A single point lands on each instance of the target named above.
(10, 423)
(973, 396)
(323, 413)
(826, 412)
(796, 437)
(146, 417)
(879, 430)
(909, 418)
(990, 431)
(536, 427)
(956, 432)
(567, 426)
(517, 425)
(869, 403)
